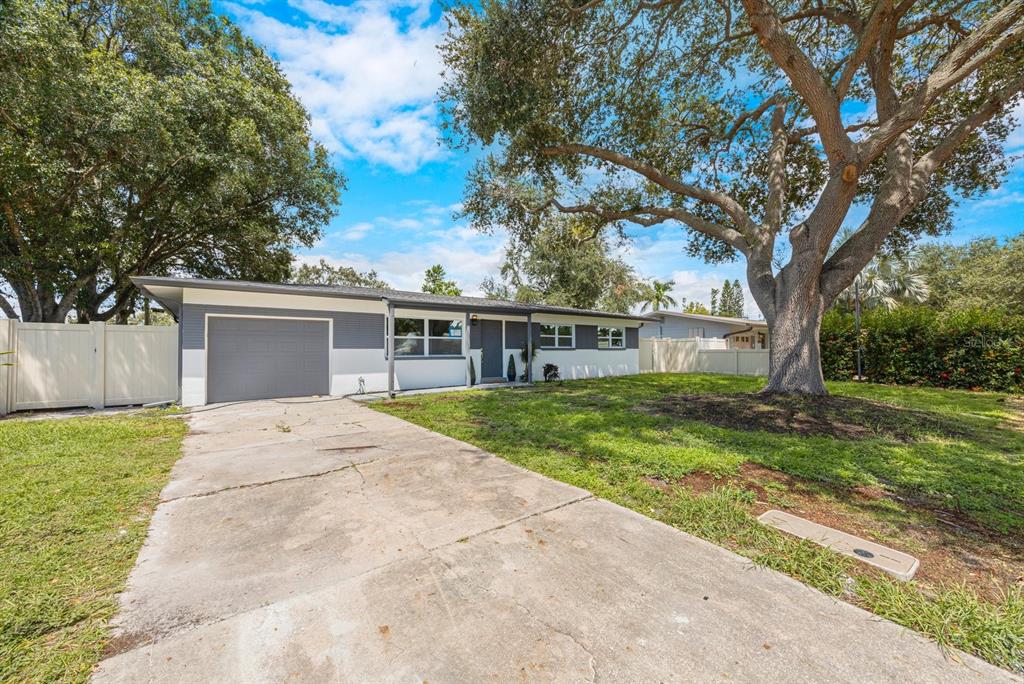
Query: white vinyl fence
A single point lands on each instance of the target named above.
(59, 365)
(688, 356)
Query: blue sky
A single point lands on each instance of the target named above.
(368, 72)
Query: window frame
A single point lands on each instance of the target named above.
(426, 338)
(558, 336)
(610, 337)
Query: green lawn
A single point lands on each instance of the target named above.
(935, 472)
(76, 496)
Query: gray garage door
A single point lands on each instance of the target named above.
(263, 358)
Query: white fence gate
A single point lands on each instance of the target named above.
(688, 356)
(60, 365)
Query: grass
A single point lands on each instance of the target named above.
(76, 496)
(935, 472)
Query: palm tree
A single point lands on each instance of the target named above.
(885, 283)
(657, 295)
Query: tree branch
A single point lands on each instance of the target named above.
(719, 199)
(868, 37)
(7, 308)
(984, 44)
(776, 171)
(897, 199)
(650, 215)
(805, 78)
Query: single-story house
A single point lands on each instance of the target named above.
(738, 333)
(245, 340)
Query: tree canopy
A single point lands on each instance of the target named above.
(728, 301)
(322, 273)
(753, 125)
(145, 137)
(983, 274)
(563, 264)
(435, 281)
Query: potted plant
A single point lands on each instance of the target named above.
(511, 374)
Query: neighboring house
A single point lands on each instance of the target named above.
(242, 340)
(738, 333)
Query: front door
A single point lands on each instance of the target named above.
(491, 350)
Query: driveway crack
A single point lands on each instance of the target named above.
(520, 519)
(251, 485)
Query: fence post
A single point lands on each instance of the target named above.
(99, 332)
(736, 360)
(8, 333)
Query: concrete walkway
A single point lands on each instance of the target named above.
(321, 541)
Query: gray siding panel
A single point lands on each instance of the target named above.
(677, 328)
(476, 336)
(586, 337)
(352, 330)
(632, 338)
(515, 335)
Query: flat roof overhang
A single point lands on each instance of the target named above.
(168, 291)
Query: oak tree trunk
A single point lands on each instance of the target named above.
(794, 354)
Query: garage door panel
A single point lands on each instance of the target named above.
(259, 358)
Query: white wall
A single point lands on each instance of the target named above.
(578, 364)
(58, 365)
(689, 356)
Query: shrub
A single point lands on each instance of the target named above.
(969, 349)
(551, 372)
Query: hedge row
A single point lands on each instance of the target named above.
(969, 349)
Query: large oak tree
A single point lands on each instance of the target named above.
(145, 137)
(757, 126)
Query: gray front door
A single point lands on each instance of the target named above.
(263, 358)
(492, 346)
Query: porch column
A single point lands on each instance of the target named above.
(391, 350)
(467, 349)
(529, 347)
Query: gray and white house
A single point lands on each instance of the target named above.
(738, 333)
(243, 340)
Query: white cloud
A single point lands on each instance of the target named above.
(357, 231)
(367, 72)
(999, 199)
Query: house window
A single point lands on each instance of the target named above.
(556, 335)
(611, 338)
(431, 337)
(695, 332)
(445, 337)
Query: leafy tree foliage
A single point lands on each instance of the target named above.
(983, 274)
(732, 119)
(657, 295)
(564, 264)
(435, 282)
(696, 308)
(728, 301)
(322, 273)
(145, 137)
(494, 288)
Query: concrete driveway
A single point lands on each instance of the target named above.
(322, 541)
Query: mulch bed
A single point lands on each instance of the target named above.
(847, 418)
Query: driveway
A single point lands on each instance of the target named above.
(321, 541)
